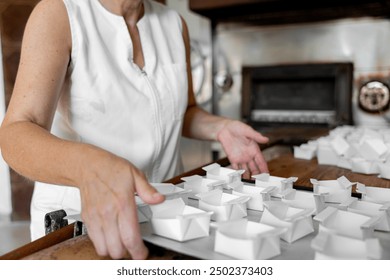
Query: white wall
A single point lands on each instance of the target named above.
(5, 185)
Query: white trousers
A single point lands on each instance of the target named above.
(47, 198)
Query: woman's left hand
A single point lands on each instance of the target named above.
(241, 145)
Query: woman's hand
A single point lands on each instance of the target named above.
(241, 145)
(109, 209)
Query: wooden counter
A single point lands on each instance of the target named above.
(287, 166)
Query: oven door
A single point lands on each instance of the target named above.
(300, 94)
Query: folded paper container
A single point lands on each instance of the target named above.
(371, 209)
(345, 163)
(335, 151)
(336, 191)
(282, 185)
(339, 145)
(296, 221)
(300, 199)
(170, 191)
(328, 246)
(216, 172)
(224, 206)
(372, 148)
(175, 220)
(345, 223)
(243, 239)
(198, 184)
(256, 194)
(384, 170)
(321, 202)
(373, 194)
(364, 166)
(326, 154)
(357, 149)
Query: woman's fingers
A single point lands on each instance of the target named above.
(96, 235)
(253, 168)
(261, 163)
(130, 234)
(246, 174)
(113, 241)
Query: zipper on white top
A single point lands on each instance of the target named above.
(136, 66)
(157, 106)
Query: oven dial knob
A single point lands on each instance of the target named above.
(374, 97)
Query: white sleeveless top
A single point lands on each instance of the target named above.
(108, 101)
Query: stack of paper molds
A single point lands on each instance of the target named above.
(296, 221)
(359, 149)
(384, 169)
(372, 149)
(326, 153)
(364, 166)
(224, 206)
(175, 220)
(243, 239)
(305, 151)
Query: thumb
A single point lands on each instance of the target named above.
(147, 193)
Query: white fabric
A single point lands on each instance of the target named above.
(110, 102)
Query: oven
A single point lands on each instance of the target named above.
(313, 94)
(326, 73)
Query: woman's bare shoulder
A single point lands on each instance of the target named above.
(54, 9)
(49, 18)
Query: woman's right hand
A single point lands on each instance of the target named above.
(108, 185)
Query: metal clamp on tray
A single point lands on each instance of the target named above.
(57, 219)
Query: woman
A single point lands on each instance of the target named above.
(103, 95)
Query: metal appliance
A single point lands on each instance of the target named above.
(361, 42)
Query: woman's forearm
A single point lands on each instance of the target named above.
(239, 141)
(201, 125)
(39, 156)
